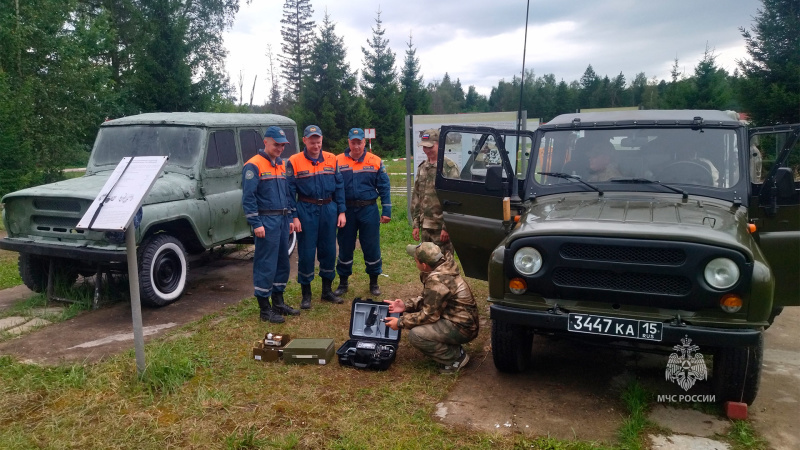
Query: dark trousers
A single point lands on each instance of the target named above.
(271, 259)
(316, 241)
(365, 222)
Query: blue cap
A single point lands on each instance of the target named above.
(356, 133)
(277, 134)
(312, 130)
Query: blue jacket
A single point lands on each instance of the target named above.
(264, 187)
(318, 179)
(365, 179)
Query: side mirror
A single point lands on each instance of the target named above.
(784, 183)
(494, 177)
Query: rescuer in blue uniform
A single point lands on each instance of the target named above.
(314, 177)
(365, 178)
(265, 200)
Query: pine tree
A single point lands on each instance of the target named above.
(328, 97)
(448, 97)
(770, 89)
(590, 82)
(710, 87)
(415, 98)
(475, 102)
(381, 92)
(298, 35)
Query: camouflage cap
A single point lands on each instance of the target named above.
(429, 137)
(426, 252)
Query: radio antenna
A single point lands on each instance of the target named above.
(515, 183)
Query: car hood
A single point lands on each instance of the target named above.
(663, 218)
(168, 187)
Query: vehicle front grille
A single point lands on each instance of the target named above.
(616, 253)
(54, 223)
(49, 204)
(644, 283)
(658, 273)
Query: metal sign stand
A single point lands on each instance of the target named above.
(114, 210)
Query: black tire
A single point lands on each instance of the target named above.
(33, 271)
(511, 346)
(163, 268)
(737, 373)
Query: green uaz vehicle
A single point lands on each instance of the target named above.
(196, 204)
(650, 228)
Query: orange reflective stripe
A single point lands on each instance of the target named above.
(303, 167)
(371, 163)
(265, 168)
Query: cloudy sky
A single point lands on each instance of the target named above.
(481, 42)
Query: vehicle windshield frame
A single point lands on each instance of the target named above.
(549, 141)
(183, 144)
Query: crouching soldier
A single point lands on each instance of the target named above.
(445, 316)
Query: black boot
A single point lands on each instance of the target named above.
(342, 289)
(305, 303)
(327, 293)
(267, 313)
(373, 285)
(282, 308)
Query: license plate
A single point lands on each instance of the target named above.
(613, 326)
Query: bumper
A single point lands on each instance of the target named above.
(672, 334)
(63, 251)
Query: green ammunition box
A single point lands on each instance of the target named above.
(308, 351)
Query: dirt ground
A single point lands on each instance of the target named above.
(571, 392)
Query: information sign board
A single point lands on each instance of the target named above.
(123, 194)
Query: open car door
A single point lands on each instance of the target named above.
(472, 200)
(774, 205)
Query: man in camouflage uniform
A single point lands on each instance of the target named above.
(444, 316)
(426, 211)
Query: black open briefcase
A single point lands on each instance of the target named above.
(372, 345)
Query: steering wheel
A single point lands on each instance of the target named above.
(690, 172)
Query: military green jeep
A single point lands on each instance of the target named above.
(196, 204)
(650, 229)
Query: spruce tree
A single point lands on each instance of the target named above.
(415, 98)
(381, 93)
(328, 97)
(770, 89)
(298, 35)
(710, 87)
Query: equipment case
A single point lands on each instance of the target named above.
(372, 345)
(308, 351)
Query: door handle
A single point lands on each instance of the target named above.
(449, 202)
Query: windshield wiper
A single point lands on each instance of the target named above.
(646, 181)
(567, 176)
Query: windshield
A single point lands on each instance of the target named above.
(181, 144)
(702, 157)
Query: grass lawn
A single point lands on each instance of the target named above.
(201, 389)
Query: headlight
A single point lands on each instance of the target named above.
(721, 273)
(527, 260)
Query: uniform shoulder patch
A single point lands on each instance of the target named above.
(249, 174)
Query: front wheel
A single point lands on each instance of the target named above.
(34, 271)
(737, 372)
(511, 346)
(162, 270)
